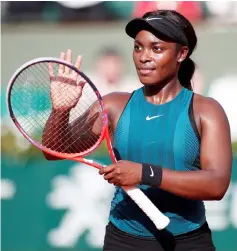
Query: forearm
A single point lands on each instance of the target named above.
(56, 131)
(196, 185)
(63, 136)
(204, 184)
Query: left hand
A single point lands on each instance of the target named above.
(123, 173)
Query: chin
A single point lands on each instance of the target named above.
(148, 81)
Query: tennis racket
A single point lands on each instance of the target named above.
(65, 117)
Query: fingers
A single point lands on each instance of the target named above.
(106, 169)
(81, 83)
(66, 71)
(69, 60)
(109, 176)
(50, 70)
(78, 66)
(78, 62)
(61, 66)
(112, 178)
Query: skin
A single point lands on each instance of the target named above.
(157, 63)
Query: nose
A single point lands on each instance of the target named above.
(145, 56)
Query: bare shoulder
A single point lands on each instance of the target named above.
(209, 109)
(116, 100)
(119, 95)
(115, 103)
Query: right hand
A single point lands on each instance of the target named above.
(65, 91)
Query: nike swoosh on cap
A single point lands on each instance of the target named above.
(152, 18)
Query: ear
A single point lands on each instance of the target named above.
(182, 53)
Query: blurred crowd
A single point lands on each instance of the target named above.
(195, 11)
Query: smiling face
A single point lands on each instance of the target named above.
(156, 61)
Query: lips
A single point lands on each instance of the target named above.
(145, 71)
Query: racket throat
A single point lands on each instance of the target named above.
(89, 162)
(109, 145)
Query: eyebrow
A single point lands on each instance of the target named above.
(153, 43)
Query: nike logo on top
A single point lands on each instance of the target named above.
(152, 18)
(153, 117)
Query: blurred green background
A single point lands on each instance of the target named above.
(63, 205)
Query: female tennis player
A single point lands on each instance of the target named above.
(172, 143)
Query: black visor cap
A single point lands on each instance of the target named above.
(160, 27)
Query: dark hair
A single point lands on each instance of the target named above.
(187, 67)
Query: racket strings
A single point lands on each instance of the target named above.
(26, 103)
(72, 148)
(26, 120)
(86, 144)
(32, 106)
(89, 141)
(87, 95)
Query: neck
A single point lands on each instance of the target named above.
(160, 94)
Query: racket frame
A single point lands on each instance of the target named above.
(105, 129)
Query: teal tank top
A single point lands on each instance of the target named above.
(164, 135)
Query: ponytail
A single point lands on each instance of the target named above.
(185, 74)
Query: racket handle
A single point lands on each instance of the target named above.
(160, 220)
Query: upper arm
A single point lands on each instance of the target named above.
(216, 150)
(115, 103)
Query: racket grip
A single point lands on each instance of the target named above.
(160, 220)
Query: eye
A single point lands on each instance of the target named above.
(137, 47)
(157, 49)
